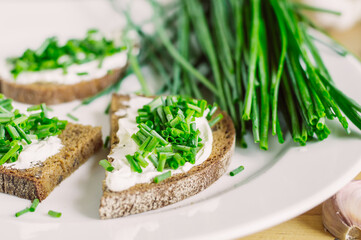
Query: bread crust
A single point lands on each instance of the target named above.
(80, 142)
(50, 93)
(150, 196)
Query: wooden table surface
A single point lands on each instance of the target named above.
(308, 226)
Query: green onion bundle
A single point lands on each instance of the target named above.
(168, 136)
(17, 129)
(258, 60)
(52, 55)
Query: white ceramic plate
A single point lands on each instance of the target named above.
(275, 186)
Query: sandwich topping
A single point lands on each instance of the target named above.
(36, 152)
(158, 138)
(77, 60)
(26, 140)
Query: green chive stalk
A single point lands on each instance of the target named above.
(256, 59)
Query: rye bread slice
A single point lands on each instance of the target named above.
(80, 142)
(37, 93)
(150, 196)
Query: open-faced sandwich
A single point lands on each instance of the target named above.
(38, 152)
(56, 73)
(163, 150)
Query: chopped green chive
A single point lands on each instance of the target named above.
(162, 177)
(133, 164)
(161, 162)
(145, 127)
(12, 132)
(195, 108)
(61, 123)
(53, 55)
(4, 149)
(18, 214)
(16, 128)
(107, 109)
(189, 114)
(12, 151)
(141, 136)
(6, 117)
(136, 139)
(169, 101)
(23, 134)
(106, 142)
(54, 214)
(106, 165)
(168, 113)
(145, 143)
(34, 205)
(179, 159)
(212, 111)
(161, 114)
(140, 159)
(33, 108)
(215, 120)
(175, 121)
(20, 119)
(154, 104)
(69, 115)
(145, 132)
(159, 137)
(165, 149)
(3, 110)
(44, 110)
(173, 163)
(167, 134)
(182, 148)
(236, 171)
(82, 73)
(152, 144)
(154, 159)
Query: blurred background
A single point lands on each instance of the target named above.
(345, 28)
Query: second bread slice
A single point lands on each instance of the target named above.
(50, 93)
(149, 196)
(79, 143)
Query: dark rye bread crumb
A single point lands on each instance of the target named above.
(50, 93)
(150, 196)
(80, 142)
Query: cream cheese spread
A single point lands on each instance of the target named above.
(56, 76)
(122, 177)
(36, 152)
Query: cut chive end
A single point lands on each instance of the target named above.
(34, 205)
(54, 214)
(236, 171)
(26, 210)
(162, 177)
(106, 165)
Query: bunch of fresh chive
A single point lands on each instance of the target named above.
(17, 129)
(52, 55)
(168, 135)
(258, 60)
